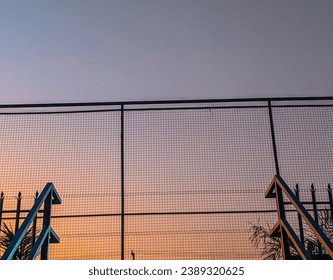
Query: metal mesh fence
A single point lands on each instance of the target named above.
(305, 147)
(186, 181)
(192, 161)
(80, 154)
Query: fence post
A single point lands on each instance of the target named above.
(34, 226)
(122, 154)
(329, 190)
(277, 169)
(2, 198)
(300, 221)
(18, 211)
(315, 212)
(279, 196)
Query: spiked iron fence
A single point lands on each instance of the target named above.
(164, 179)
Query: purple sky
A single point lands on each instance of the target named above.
(65, 51)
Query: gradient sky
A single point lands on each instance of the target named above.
(108, 50)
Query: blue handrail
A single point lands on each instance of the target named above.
(48, 196)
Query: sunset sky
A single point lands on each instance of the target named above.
(107, 50)
(189, 160)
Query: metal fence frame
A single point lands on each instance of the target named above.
(269, 103)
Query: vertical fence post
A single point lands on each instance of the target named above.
(329, 191)
(300, 221)
(277, 169)
(2, 198)
(18, 211)
(122, 154)
(279, 195)
(34, 226)
(315, 212)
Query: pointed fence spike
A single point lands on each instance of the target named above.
(297, 189)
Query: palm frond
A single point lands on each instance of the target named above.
(271, 246)
(6, 235)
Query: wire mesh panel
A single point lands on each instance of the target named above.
(304, 134)
(79, 154)
(200, 236)
(92, 238)
(215, 162)
(161, 180)
(304, 138)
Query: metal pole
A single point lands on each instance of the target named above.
(34, 226)
(18, 211)
(329, 191)
(279, 196)
(122, 154)
(2, 197)
(277, 169)
(315, 211)
(300, 221)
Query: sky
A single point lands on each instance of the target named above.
(110, 50)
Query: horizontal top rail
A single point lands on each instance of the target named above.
(81, 104)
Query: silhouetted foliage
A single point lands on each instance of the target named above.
(271, 246)
(326, 223)
(6, 236)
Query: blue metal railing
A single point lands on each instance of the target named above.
(48, 196)
(276, 189)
